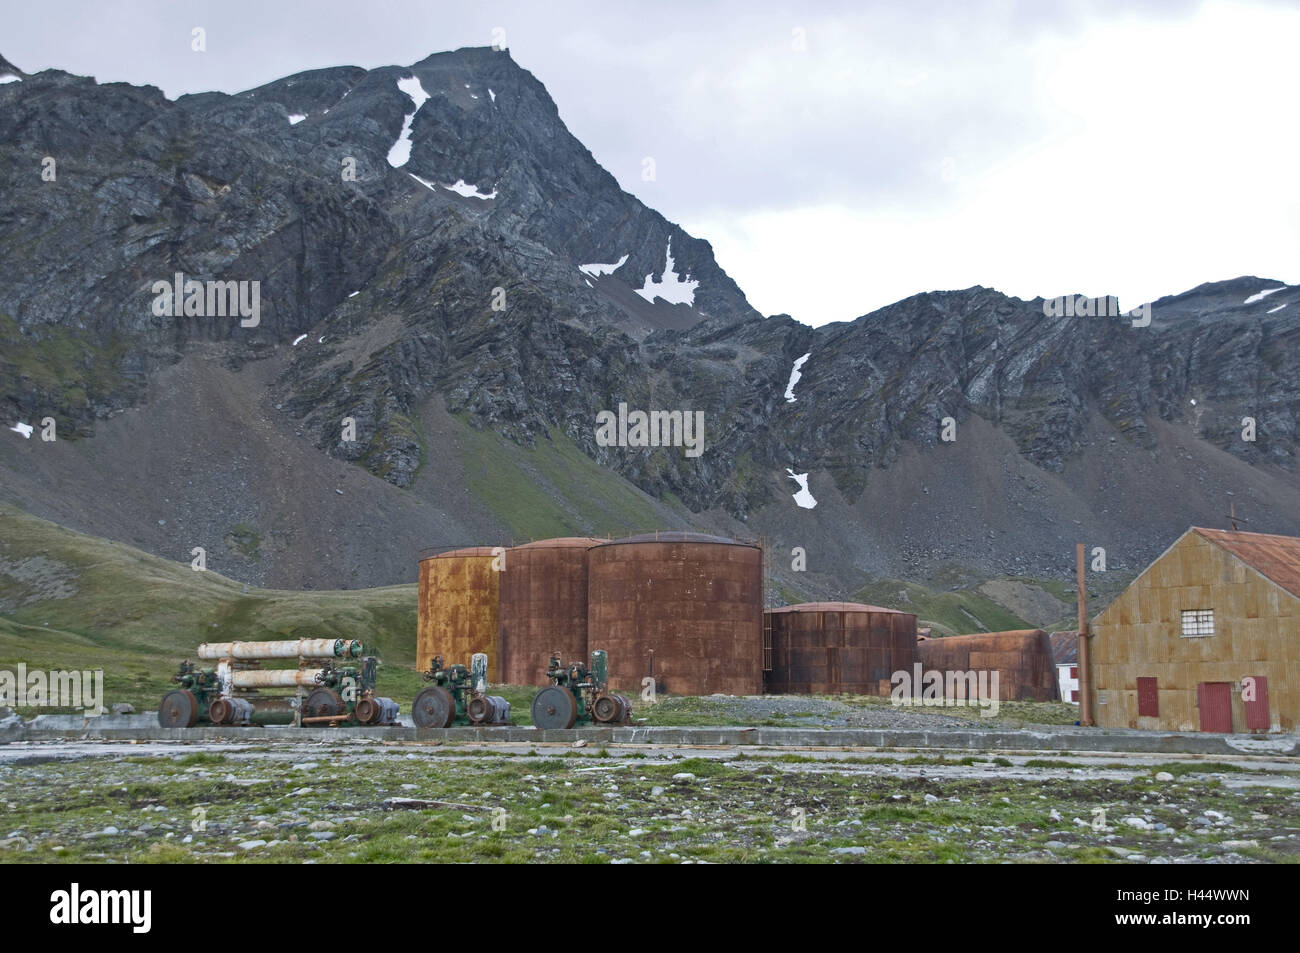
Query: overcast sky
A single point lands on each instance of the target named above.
(841, 156)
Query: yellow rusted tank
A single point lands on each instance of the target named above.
(459, 603)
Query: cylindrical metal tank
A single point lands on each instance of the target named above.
(1022, 659)
(458, 599)
(292, 648)
(834, 647)
(687, 605)
(543, 607)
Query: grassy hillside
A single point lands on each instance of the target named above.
(555, 489)
(948, 613)
(73, 601)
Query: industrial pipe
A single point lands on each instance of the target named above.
(293, 648)
(1085, 654)
(275, 678)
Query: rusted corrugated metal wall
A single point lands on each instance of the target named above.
(543, 607)
(459, 595)
(1022, 659)
(696, 601)
(835, 647)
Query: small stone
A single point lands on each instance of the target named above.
(656, 790)
(1055, 845)
(930, 799)
(1136, 822)
(322, 835)
(320, 825)
(123, 708)
(252, 844)
(581, 743)
(683, 776)
(848, 850)
(306, 766)
(1164, 776)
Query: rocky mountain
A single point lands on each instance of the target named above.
(437, 290)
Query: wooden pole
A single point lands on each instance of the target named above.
(1085, 675)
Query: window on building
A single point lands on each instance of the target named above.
(1198, 623)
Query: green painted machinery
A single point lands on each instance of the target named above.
(578, 694)
(458, 696)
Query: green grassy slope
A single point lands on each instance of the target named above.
(73, 601)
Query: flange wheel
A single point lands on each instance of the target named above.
(322, 702)
(179, 709)
(555, 707)
(433, 708)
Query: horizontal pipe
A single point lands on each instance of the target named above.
(293, 648)
(276, 678)
(322, 718)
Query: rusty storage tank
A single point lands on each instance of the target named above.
(543, 607)
(692, 603)
(1022, 659)
(835, 647)
(459, 594)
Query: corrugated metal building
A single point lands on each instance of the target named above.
(836, 647)
(1022, 659)
(1065, 655)
(1207, 638)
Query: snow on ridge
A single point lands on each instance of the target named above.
(400, 153)
(469, 191)
(795, 374)
(596, 269)
(298, 340)
(492, 94)
(803, 498)
(10, 78)
(298, 117)
(425, 182)
(1262, 295)
(24, 429)
(669, 286)
(1278, 308)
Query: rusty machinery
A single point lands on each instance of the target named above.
(577, 693)
(458, 696)
(228, 693)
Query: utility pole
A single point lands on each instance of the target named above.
(1085, 673)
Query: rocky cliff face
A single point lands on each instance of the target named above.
(434, 233)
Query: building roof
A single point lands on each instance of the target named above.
(1065, 647)
(835, 607)
(1274, 557)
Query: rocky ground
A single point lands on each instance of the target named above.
(371, 803)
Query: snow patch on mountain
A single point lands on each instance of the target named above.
(670, 287)
(803, 497)
(469, 191)
(298, 117)
(24, 429)
(596, 269)
(10, 78)
(795, 374)
(1263, 294)
(400, 153)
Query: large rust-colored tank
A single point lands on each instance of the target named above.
(543, 607)
(1022, 659)
(835, 647)
(459, 596)
(688, 605)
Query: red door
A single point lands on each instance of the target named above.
(1215, 702)
(1257, 710)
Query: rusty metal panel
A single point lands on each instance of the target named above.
(1257, 709)
(459, 593)
(839, 647)
(693, 603)
(543, 607)
(1276, 557)
(1022, 659)
(1148, 697)
(1215, 702)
